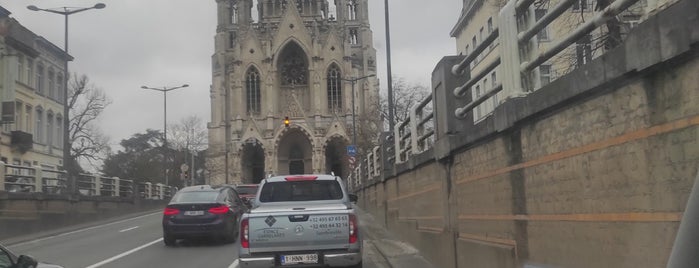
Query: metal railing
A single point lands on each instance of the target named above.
(16, 178)
(416, 133)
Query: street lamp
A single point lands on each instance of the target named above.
(164, 90)
(66, 11)
(354, 125)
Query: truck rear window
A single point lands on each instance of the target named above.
(300, 191)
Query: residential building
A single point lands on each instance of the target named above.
(32, 93)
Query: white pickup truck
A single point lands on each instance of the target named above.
(301, 221)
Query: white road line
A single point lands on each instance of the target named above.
(128, 229)
(234, 264)
(124, 254)
(80, 230)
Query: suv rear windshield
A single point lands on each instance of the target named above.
(195, 197)
(246, 189)
(300, 191)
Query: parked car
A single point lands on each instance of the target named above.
(10, 260)
(301, 220)
(203, 211)
(247, 192)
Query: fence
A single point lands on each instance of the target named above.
(14, 178)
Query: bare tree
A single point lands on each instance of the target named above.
(405, 96)
(189, 134)
(86, 103)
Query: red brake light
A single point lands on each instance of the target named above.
(301, 178)
(244, 231)
(353, 229)
(219, 210)
(171, 211)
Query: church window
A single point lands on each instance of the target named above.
(293, 67)
(354, 37)
(252, 90)
(334, 88)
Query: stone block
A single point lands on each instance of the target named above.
(642, 45)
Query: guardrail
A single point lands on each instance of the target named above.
(16, 178)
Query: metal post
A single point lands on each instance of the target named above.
(2, 176)
(66, 111)
(98, 185)
(165, 154)
(354, 124)
(117, 188)
(391, 122)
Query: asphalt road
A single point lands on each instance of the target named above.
(135, 242)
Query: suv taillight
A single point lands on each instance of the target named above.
(244, 232)
(353, 229)
(171, 211)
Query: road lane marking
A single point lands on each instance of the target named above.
(234, 264)
(128, 229)
(124, 254)
(81, 230)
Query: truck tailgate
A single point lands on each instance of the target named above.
(298, 230)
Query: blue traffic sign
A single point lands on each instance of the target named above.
(351, 150)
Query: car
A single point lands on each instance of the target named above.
(247, 192)
(10, 260)
(203, 211)
(301, 221)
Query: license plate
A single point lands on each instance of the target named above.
(299, 259)
(194, 213)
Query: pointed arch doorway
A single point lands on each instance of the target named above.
(295, 153)
(252, 161)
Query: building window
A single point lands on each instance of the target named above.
(543, 35)
(231, 39)
(545, 74)
(28, 118)
(352, 10)
(490, 25)
(59, 88)
(59, 131)
(233, 11)
(20, 68)
(51, 93)
(293, 66)
(19, 108)
(579, 5)
(493, 80)
(252, 86)
(39, 128)
(30, 71)
(354, 36)
(49, 129)
(334, 89)
(583, 50)
(478, 108)
(39, 79)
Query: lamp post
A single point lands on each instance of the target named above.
(164, 90)
(354, 125)
(66, 11)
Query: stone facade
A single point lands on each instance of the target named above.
(288, 59)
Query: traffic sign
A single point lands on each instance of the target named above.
(351, 162)
(352, 150)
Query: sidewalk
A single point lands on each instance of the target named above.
(395, 253)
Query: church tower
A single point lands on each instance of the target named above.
(279, 59)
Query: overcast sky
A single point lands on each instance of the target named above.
(160, 43)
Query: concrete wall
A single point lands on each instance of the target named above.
(593, 170)
(29, 213)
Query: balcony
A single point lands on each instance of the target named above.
(22, 141)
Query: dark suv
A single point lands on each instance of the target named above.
(203, 211)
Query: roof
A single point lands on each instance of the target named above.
(470, 7)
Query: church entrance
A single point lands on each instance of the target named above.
(336, 157)
(295, 154)
(252, 162)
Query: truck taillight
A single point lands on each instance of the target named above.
(244, 233)
(353, 229)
